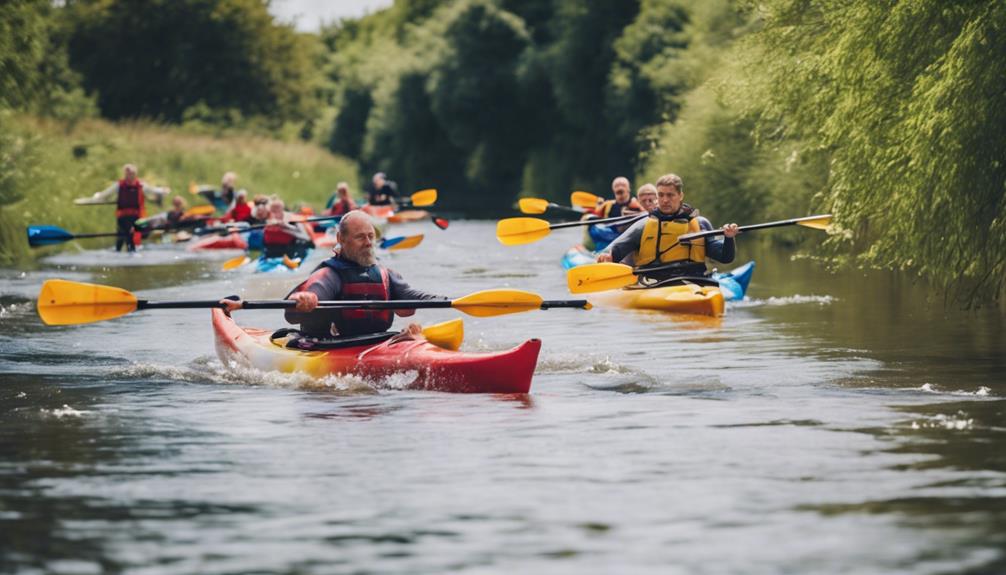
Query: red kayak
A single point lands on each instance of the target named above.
(435, 368)
(232, 241)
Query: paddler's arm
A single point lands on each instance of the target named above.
(320, 285)
(723, 249)
(401, 290)
(624, 245)
(106, 194)
(155, 193)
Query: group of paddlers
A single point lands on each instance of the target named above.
(231, 205)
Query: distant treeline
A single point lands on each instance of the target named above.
(889, 114)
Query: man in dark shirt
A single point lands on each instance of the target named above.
(351, 274)
(383, 192)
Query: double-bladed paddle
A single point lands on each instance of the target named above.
(516, 231)
(62, 302)
(607, 276)
(39, 236)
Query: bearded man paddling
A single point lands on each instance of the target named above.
(351, 274)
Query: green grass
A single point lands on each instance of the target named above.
(296, 172)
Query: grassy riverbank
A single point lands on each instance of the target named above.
(59, 163)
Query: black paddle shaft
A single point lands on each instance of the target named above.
(749, 228)
(337, 304)
(227, 229)
(619, 220)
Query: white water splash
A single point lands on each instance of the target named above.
(982, 391)
(65, 411)
(956, 422)
(15, 310)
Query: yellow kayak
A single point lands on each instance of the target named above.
(687, 298)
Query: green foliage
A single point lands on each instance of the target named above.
(908, 100)
(641, 92)
(35, 74)
(159, 58)
(23, 33)
(19, 157)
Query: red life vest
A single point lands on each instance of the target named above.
(130, 199)
(277, 235)
(340, 208)
(359, 283)
(241, 212)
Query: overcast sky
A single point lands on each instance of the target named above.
(308, 15)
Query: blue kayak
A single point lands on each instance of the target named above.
(733, 284)
(602, 235)
(279, 264)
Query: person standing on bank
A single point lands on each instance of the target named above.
(129, 194)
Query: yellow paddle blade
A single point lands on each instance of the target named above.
(291, 263)
(817, 223)
(193, 187)
(599, 277)
(235, 263)
(448, 334)
(495, 302)
(64, 302)
(408, 243)
(516, 231)
(532, 205)
(203, 210)
(424, 197)
(583, 199)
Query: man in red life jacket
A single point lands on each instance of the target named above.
(129, 193)
(240, 211)
(351, 274)
(281, 237)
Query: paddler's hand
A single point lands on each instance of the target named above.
(602, 258)
(306, 301)
(730, 230)
(231, 305)
(414, 330)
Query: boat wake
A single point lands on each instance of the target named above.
(798, 299)
(210, 371)
(982, 391)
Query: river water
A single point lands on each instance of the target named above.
(828, 424)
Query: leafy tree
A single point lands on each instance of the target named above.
(907, 98)
(475, 95)
(157, 58)
(23, 33)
